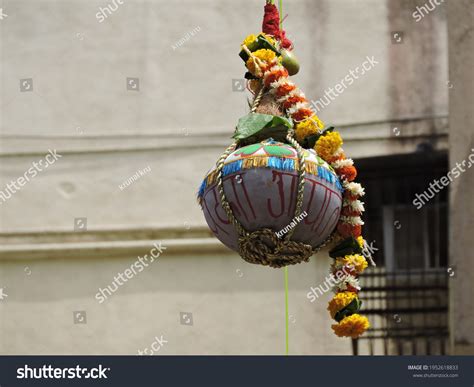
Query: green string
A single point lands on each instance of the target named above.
(281, 13)
(286, 306)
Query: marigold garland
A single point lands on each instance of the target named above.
(351, 326)
(347, 230)
(340, 301)
(348, 172)
(301, 114)
(304, 129)
(354, 261)
(264, 55)
(327, 145)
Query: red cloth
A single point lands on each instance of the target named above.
(284, 41)
(271, 21)
(271, 25)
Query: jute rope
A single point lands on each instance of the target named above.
(263, 246)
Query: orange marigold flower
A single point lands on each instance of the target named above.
(284, 89)
(352, 326)
(293, 100)
(267, 67)
(347, 230)
(302, 114)
(276, 75)
(349, 172)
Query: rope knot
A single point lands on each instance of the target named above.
(265, 248)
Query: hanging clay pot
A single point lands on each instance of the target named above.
(260, 182)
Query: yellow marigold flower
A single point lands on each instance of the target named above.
(360, 241)
(308, 127)
(264, 54)
(339, 301)
(327, 145)
(351, 326)
(355, 261)
(317, 121)
(249, 40)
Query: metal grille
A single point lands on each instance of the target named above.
(408, 312)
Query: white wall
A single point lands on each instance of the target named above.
(237, 308)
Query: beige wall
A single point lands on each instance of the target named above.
(178, 124)
(237, 308)
(461, 145)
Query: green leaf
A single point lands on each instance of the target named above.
(249, 75)
(353, 307)
(310, 141)
(253, 123)
(264, 43)
(346, 247)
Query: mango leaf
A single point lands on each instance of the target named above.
(249, 75)
(346, 247)
(349, 310)
(253, 123)
(310, 141)
(265, 43)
